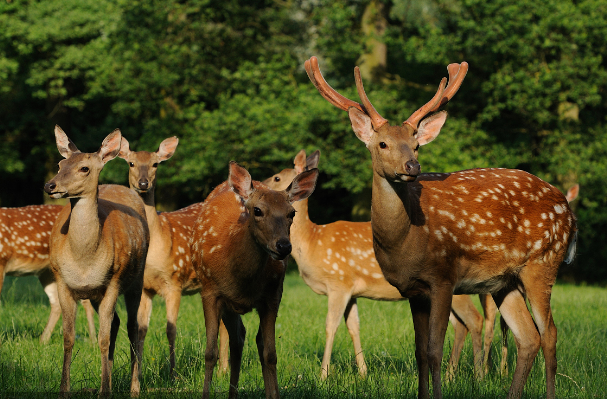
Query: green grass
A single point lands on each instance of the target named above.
(26, 366)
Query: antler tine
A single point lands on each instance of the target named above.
(376, 119)
(457, 73)
(326, 90)
(418, 115)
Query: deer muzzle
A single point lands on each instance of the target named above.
(283, 249)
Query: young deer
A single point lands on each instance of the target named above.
(337, 260)
(98, 248)
(168, 269)
(238, 251)
(498, 231)
(490, 312)
(24, 237)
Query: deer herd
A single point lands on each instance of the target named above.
(433, 239)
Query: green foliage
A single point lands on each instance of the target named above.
(227, 78)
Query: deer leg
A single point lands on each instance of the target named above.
(490, 311)
(504, 361)
(440, 306)
(132, 299)
(173, 301)
(465, 310)
(461, 331)
(232, 323)
(224, 341)
(109, 323)
(338, 301)
(266, 347)
(420, 310)
(49, 285)
(212, 313)
(539, 299)
(143, 318)
(353, 324)
(68, 308)
(513, 308)
(90, 317)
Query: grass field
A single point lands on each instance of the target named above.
(29, 369)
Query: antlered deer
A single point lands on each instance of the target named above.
(497, 231)
(168, 269)
(98, 248)
(337, 260)
(239, 246)
(490, 311)
(24, 235)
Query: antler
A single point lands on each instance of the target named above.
(457, 73)
(337, 99)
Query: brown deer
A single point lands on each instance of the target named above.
(24, 237)
(498, 231)
(337, 260)
(239, 246)
(98, 248)
(168, 269)
(490, 312)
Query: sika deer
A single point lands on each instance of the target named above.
(497, 231)
(239, 248)
(337, 260)
(24, 235)
(490, 312)
(98, 248)
(168, 270)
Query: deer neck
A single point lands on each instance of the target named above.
(150, 212)
(84, 228)
(391, 211)
(302, 232)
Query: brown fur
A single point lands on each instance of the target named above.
(98, 248)
(238, 249)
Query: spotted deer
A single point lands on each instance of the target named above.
(24, 237)
(98, 247)
(337, 260)
(239, 246)
(168, 270)
(490, 312)
(498, 231)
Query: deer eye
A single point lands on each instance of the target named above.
(383, 145)
(155, 165)
(276, 178)
(257, 211)
(417, 148)
(84, 169)
(131, 164)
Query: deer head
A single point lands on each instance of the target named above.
(143, 164)
(271, 212)
(79, 172)
(393, 148)
(281, 181)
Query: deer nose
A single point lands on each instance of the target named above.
(49, 187)
(143, 184)
(413, 168)
(283, 247)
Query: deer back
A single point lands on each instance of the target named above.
(24, 238)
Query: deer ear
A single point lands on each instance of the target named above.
(430, 127)
(573, 192)
(125, 149)
(300, 162)
(110, 147)
(65, 146)
(361, 124)
(167, 148)
(240, 180)
(312, 160)
(302, 186)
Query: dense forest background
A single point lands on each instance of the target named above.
(227, 78)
